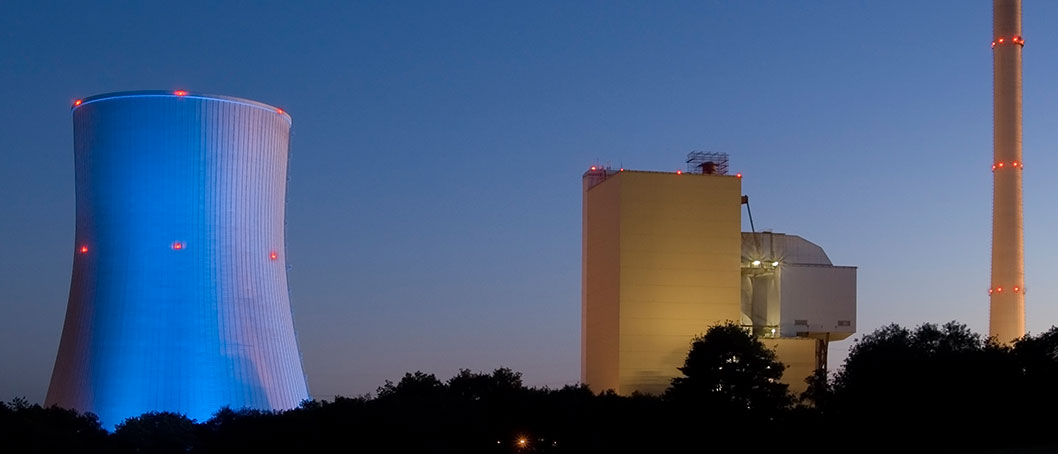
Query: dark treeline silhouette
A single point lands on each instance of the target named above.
(937, 388)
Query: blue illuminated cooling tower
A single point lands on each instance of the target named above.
(178, 300)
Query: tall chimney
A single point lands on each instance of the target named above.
(1007, 293)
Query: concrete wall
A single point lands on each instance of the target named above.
(600, 296)
(799, 357)
(818, 299)
(678, 254)
(178, 299)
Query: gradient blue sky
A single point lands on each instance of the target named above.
(434, 208)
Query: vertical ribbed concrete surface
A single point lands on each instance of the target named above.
(1007, 291)
(178, 299)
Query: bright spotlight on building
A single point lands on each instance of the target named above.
(774, 263)
(755, 263)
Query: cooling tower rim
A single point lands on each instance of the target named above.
(178, 94)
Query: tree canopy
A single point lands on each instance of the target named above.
(730, 372)
(911, 389)
(946, 385)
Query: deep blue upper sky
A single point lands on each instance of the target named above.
(434, 207)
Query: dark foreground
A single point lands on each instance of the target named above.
(927, 389)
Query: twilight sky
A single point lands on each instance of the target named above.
(434, 207)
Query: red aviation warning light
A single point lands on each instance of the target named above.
(1016, 40)
(273, 255)
(279, 111)
(180, 93)
(77, 103)
(84, 249)
(1015, 164)
(177, 245)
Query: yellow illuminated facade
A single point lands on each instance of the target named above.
(661, 263)
(800, 355)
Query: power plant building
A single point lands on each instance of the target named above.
(661, 256)
(664, 259)
(796, 300)
(178, 299)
